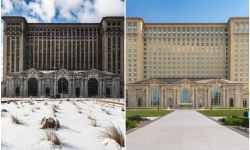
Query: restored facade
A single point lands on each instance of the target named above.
(188, 50)
(74, 47)
(185, 93)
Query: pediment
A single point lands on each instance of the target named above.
(32, 71)
(216, 82)
(185, 82)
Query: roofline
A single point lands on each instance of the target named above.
(105, 17)
(188, 23)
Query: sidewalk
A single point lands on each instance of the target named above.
(185, 130)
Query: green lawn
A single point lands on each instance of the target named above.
(223, 112)
(146, 112)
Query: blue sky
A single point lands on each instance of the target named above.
(187, 10)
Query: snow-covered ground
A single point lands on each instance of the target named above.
(76, 130)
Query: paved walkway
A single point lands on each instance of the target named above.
(185, 130)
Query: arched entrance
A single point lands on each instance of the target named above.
(92, 87)
(63, 86)
(231, 102)
(185, 96)
(17, 91)
(77, 92)
(32, 87)
(216, 97)
(108, 92)
(47, 91)
(154, 97)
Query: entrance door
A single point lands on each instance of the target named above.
(92, 87)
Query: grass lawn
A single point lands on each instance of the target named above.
(146, 112)
(223, 112)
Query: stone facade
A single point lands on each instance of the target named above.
(37, 83)
(185, 93)
(76, 48)
(188, 50)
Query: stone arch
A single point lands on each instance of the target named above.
(32, 87)
(63, 86)
(92, 87)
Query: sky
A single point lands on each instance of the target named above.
(187, 10)
(63, 10)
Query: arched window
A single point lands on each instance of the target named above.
(185, 95)
(154, 97)
(62, 86)
(215, 97)
(32, 87)
(17, 91)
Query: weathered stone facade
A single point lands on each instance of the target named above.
(79, 48)
(37, 83)
(186, 93)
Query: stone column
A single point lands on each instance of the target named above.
(100, 88)
(25, 91)
(146, 98)
(81, 88)
(86, 88)
(174, 100)
(209, 97)
(73, 88)
(53, 91)
(205, 97)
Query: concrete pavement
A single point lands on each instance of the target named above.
(185, 130)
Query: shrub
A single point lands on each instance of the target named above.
(232, 121)
(53, 137)
(50, 123)
(131, 124)
(4, 110)
(15, 120)
(115, 134)
(94, 122)
(245, 122)
(55, 108)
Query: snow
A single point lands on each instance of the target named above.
(76, 131)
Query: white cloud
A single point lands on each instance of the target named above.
(6, 6)
(68, 10)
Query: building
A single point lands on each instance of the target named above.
(188, 51)
(67, 59)
(185, 93)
